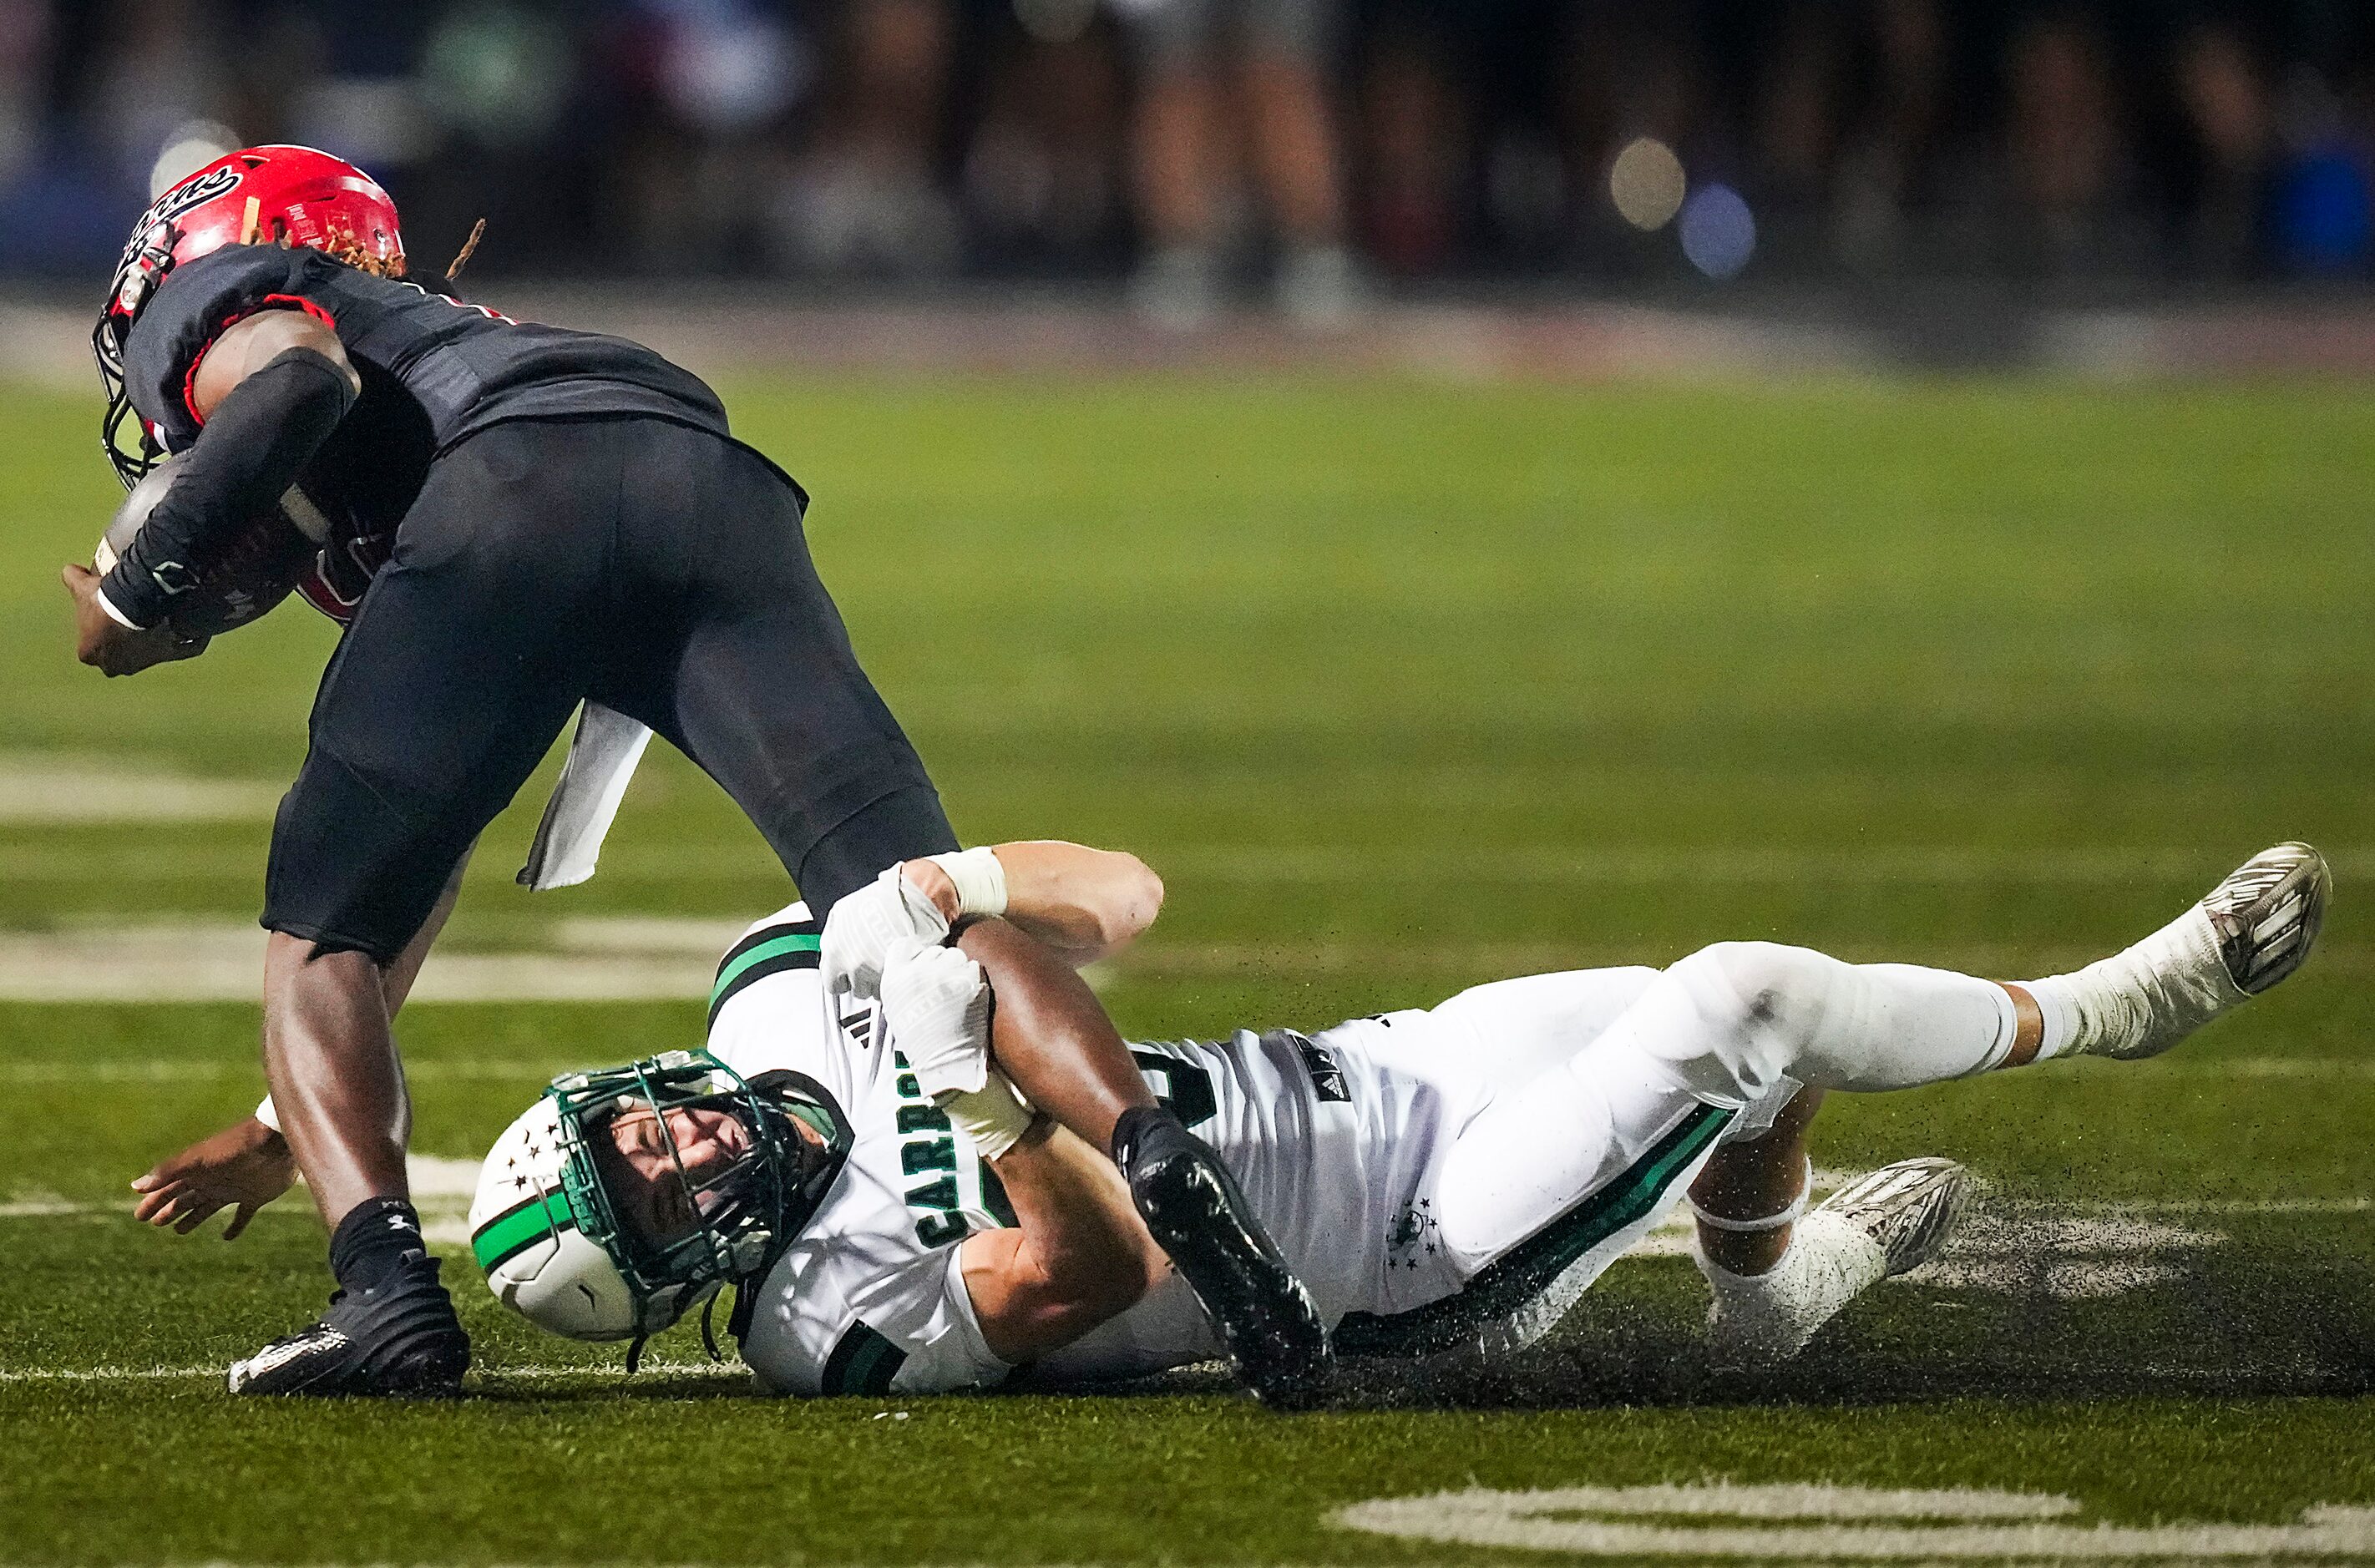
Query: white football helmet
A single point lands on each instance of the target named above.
(526, 1235)
(547, 1232)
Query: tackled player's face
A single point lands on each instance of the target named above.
(656, 1195)
(654, 1190)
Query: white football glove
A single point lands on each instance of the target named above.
(938, 1007)
(860, 931)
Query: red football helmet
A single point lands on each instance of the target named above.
(290, 195)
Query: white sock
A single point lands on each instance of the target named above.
(2140, 1001)
(1768, 1317)
(1733, 1019)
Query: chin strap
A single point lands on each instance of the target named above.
(708, 1335)
(746, 1299)
(745, 1295)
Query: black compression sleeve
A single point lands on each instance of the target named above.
(248, 455)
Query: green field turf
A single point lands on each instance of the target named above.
(1402, 687)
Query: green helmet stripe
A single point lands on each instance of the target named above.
(517, 1229)
(797, 950)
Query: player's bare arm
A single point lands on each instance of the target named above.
(351, 1127)
(1078, 1256)
(1085, 903)
(248, 1163)
(107, 644)
(1047, 1022)
(248, 346)
(241, 1167)
(1082, 903)
(1067, 1056)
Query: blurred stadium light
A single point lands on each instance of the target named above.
(1646, 183)
(1719, 232)
(190, 148)
(2095, 152)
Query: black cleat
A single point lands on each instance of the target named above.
(400, 1337)
(1200, 1216)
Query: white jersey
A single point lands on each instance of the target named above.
(871, 1298)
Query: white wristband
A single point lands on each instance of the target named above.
(267, 1115)
(980, 879)
(991, 1115)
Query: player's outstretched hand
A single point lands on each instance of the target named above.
(246, 1163)
(938, 1007)
(107, 644)
(861, 931)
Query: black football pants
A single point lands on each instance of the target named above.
(652, 567)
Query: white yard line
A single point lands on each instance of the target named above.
(1816, 1523)
(504, 1069)
(42, 1206)
(566, 977)
(2070, 1250)
(1164, 959)
(223, 961)
(439, 1181)
(2206, 1065)
(1725, 865)
(2275, 1066)
(2175, 868)
(700, 937)
(2216, 1206)
(215, 1373)
(635, 958)
(42, 1074)
(49, 789)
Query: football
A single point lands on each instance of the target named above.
(256, 570)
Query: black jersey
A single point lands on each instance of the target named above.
(435, 371)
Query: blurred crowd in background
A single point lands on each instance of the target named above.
(1313, 153)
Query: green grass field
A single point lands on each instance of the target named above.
(1402, 687)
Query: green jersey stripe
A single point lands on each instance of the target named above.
(755, 960)
(519, 1228)
(768, 944)
(863, 1363)
(1528, 1269)
(767, 933)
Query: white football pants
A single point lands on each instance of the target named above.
(1613, 1086)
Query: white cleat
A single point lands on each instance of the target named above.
(2251, 931)
(2267, 914)
(1884, 1223)
(1907, 1210)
